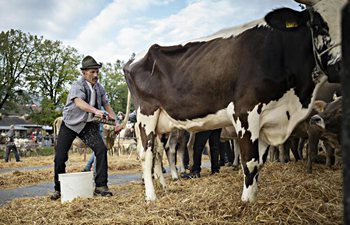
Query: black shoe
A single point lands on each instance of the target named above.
(192, 175)
(103, 191)
(85, 170)
(56, 195)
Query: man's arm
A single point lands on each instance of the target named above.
(87, 108)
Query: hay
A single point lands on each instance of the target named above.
(116, 164)
(287, 196)
(28, 161)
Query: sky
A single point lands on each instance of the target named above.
(111, 30)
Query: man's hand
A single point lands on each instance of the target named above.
(100, 113)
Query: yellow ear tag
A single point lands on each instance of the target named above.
(291, 24)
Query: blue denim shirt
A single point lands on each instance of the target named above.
(74, 117)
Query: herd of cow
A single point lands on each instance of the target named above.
(261, 79)
(270, 84)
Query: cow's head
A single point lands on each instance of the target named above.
(330, 118)
(323, 19)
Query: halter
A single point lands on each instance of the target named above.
(317, 56)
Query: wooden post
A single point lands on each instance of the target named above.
(346, 110)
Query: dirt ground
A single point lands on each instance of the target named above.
(287, 195)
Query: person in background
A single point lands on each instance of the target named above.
(214, 143)
(120, 116)
(90, 163)
(46, 140)
(11, 145)
(84, 102)
(226, 154)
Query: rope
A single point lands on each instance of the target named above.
(154, 64)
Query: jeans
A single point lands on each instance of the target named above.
(90, 162)
(214, 143)
(91, 137)
(10, 147)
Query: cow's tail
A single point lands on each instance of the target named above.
(125, 121)
(56, 129)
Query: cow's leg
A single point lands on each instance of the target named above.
(253, 157)
(301, 145)
(158, 157)
(237, 153)
(180, 152)
(273, 153)
(294, 147)
(171, 151)
(330, 158)
(282, 153)
(312, 150)
(287, 149)
(145, 132)
(190, 149)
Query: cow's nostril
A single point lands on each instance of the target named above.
(315, 119)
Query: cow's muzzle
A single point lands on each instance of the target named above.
(318, 121)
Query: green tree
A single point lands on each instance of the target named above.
(16, 59)
(55, 69)
(113, 81)
(46, 113)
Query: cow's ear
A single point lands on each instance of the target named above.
(285, 19)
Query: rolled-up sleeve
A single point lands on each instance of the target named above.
(77, 91)
(104, 97)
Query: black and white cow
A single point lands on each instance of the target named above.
(175, 150)
(261, 79)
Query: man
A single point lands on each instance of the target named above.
(11, 144)
(84, 101)
(198, 146)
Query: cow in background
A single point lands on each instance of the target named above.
(175, 149)
(263, 80)
(229, 133)
(26, 146)
(299, 136)
(325, 126)
(125, 141)
(77, 144)
(109, 136)
(3, 137)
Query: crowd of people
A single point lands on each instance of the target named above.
(38, 137)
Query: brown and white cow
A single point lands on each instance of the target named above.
(262, 80)
(175, 150)
(77, 144)
(325, 126)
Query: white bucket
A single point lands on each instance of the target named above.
(74, 185)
